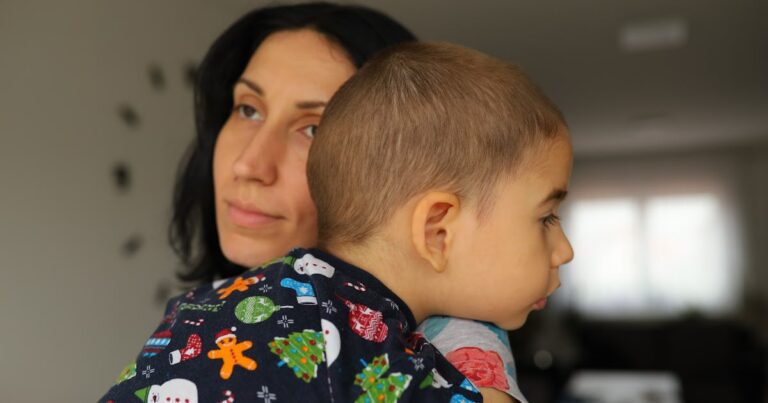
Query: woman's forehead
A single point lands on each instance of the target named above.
(304, 59)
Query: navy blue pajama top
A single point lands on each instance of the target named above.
(306, 327)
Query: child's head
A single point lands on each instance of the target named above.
(464, 149)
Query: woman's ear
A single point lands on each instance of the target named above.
(433, 226)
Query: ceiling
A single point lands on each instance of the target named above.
(709, 92)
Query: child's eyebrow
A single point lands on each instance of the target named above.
(556, 195)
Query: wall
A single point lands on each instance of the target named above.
(74, 308)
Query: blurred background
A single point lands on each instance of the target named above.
(666, 301)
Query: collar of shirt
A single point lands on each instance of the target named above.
(369, 280)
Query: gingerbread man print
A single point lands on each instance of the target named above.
(239, 284)
(231, 353)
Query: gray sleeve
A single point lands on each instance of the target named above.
(479, 350)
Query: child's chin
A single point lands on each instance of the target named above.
(512, 324)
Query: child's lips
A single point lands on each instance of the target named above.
(540, 304)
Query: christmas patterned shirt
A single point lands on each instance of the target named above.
(306, 327)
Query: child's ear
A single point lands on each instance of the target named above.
(433, 227)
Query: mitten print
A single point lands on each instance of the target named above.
(193, 348)
(305, 294)
(310, 265)
(368, 323)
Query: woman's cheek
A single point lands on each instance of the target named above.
(306, 211)
(223, 158)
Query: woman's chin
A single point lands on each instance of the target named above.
(248, 252)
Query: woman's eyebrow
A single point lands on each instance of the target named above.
(300, 105)
(556, 195)
(250, 84)
(311, 104)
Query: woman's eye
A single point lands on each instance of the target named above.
(309, 131)
(550, 220)
(248, 112)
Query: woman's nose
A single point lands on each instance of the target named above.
(260, 159)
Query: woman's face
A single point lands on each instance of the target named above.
(263, 207)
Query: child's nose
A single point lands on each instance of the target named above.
(563, 253)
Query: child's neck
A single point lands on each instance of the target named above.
(399, 272)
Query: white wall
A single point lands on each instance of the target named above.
(73, 310)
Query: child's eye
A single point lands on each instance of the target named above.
(309, 131)
(248, 112)
(550, 220)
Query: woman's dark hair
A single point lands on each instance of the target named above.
(361, 31)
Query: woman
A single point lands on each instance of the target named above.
(241, 196)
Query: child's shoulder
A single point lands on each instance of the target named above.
(261, 328)
(303, 327)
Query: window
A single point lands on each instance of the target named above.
(650, 253)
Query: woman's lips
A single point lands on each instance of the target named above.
(249, 218)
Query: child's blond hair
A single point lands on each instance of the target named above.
(417, 117)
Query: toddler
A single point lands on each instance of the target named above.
(437, 173)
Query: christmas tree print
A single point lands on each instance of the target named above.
(288, 260)
(256, 309)
(377, 389)
(427, 382)
(301, 351)
(435, 380)
(127, 373)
